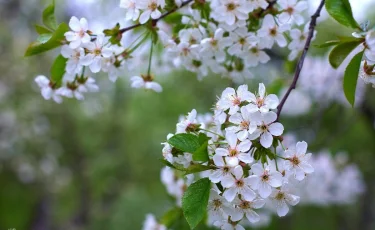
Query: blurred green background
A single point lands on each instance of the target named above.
(94, 164)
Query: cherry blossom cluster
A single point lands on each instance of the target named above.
(225, 37)
(88, 53)
(247, 174)
(229, 42)
(367, 71)
(334, 181)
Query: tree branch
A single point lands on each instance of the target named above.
(314, 18)
(154, 21)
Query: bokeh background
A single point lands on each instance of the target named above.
(94, 164)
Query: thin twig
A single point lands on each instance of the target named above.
(314, 18)
(154, 21)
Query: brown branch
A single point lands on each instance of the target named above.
(314, 18)
(154, 21)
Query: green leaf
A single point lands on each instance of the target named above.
(340, 52)
(167, 163)
(350, 39)
(201, 154)
(189, 170)
(58, 69)
(195, 201)
(328, 44)
(351, 76)
(43, 38)
(56, 40)
(203, 138)
(185, 142)
(170, 217)
(42, 30)
(49, 18)
(197, 168)
(341, 11)
(115, 35)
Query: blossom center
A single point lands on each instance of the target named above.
(273, 31)
(245, 204)
(231, 6)
(264, 128)
(280, 196)
(260, 102)
(265, 177)
(97, 52)
(242, 41)
(239, 183)
(226, 169)
(217, 204)
(81, 33)
(290, 10)
(192, 40)
(236, 100)
(214, 42)
(185, 51)
(76, 55)
(295, 160)
(153, 6)
(233, 152)
(254, 50)
(245, 124)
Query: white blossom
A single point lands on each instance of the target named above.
(47, 91)
(238, 185)
(292, 11)
(236, 151)
(267, 129)
(150, 9)
(298, 160)
(264, 179)
(144, 83)
(97, 51)
(78, 35)
(271, 32)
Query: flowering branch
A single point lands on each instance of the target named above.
(154, 21)
(312, 26)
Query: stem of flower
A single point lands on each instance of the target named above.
(282, 146)
(139, 44)
(209, 131)
(83, 71)
(277, 167)
(150, 58)
(314, 18)
(136, 39)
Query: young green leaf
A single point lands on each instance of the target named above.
(185, 142)
(43, 38)
(201, 154)
(195, 201)
(58, 69)
(351, 76)
(340, 52)
(341, 11)
(49, 18)
(167, 163)
(55, 41)
(42, 30)
(197, 168)
(189, 170)
(328, 44)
